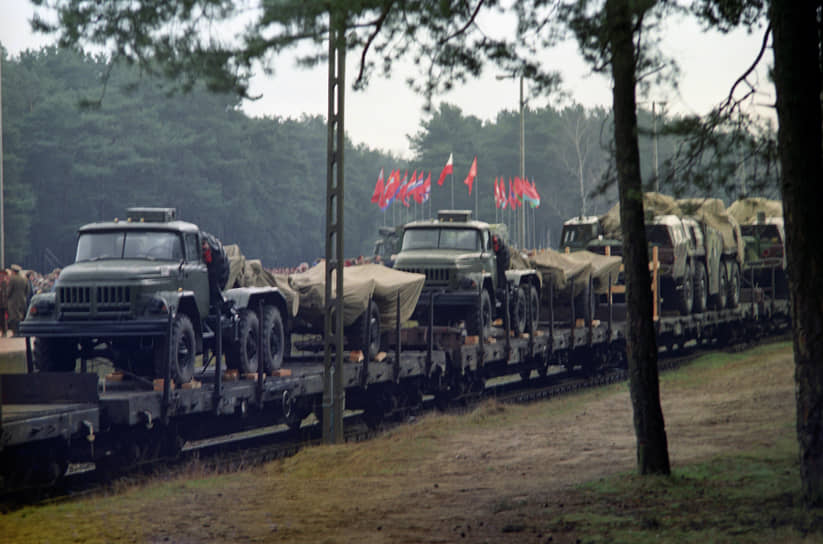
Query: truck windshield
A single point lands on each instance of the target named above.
(577, 235)
(441, 238)
(658, 235)
(151, 245)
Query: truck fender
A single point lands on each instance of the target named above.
(184, 302)
(250, 297)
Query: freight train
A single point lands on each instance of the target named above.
(53, 419)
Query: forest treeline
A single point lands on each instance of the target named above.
(257, 182)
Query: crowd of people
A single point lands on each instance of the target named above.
(16, 290)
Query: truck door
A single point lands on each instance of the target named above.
(195, 276)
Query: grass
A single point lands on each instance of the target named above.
(747, 495)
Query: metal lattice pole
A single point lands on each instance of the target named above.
(334, 395)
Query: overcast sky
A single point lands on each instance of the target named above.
(386, 113)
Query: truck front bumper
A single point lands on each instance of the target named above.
(94, 329)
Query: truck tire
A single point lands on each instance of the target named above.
(719, 300)
(55, 354)
(274, 339)
(687, 295)
(183, 351)
(361, 338)
(479, 319)
(242, 355)
(519, 315)
(534, 307)
(733, 296)
(701, 289)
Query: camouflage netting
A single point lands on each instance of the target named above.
(745, 211)
(655, 203)
(359, 283)
(250, 273)
(712, 212)
(560, 269)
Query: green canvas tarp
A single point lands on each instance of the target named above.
(560, 269)
(712, 212)
(250, 273)
(359, 284)
(745, 211)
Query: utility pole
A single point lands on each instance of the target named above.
(334, 395)
(520, 217)
(522, 163)
(654, 131)
(2, 189)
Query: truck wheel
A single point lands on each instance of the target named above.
(518, 311)
(480, 319)
(55, 354)
(242, 354)
(733, 298)
(534, 307)
(719, 300)
(687, 296)
(183, 351)
(274, 339)
(700, 289)
(362, 339)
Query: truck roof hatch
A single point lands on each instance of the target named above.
(151, 215)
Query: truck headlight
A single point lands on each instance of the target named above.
(41, 307)
(157, 305)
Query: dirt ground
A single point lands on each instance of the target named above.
(487, 476)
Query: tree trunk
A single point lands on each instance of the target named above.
(797, 82)
(641, 347)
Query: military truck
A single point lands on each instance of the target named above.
(579, 231)
(149, 289)
(466, 264)
(388, 244)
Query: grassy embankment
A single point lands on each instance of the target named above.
(474, 478)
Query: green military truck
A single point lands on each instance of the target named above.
(466, 264)
(138, 284)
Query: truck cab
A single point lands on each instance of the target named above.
(465, 275)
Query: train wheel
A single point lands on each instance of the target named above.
(719, 300)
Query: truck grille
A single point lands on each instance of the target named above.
(102, 301)
(434, 276)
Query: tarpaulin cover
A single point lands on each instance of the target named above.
(745, 210)
(250, 273)
(712, 212)
(653, 203)
(388, 283)
(359, 283)
(560, 269)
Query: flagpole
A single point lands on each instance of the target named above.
(477, 198)
(452, 175)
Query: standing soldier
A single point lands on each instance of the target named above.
(18, 297)
(4, 300)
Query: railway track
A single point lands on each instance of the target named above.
(240, 451)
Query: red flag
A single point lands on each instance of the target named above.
(472, 174)
(448, 169)
(496, 193)
(378, 189)
(391, 189)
